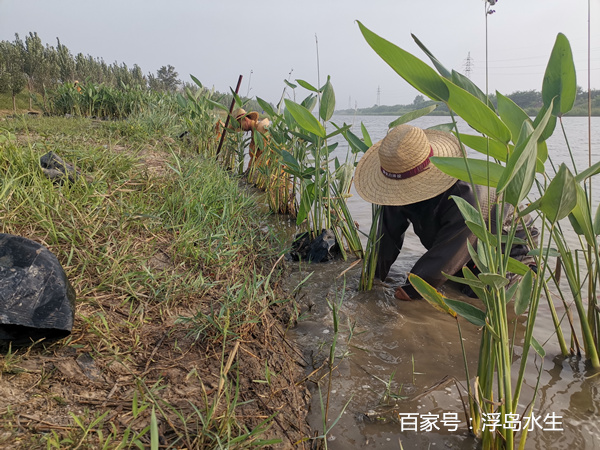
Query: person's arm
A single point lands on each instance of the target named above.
(390, 232)
(448, 252)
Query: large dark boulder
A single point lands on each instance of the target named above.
(36, 298)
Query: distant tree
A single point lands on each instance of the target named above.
(418, 100)
(167, 78)
(86, 68)
(138, 76)
(527, 99)
(66, 63)
(12, 75)
(33, 60)
(123, 76)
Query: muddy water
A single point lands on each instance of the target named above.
(402, 359)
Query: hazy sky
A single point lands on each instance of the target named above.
(218, 40)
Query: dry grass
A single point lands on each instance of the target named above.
(178, 337)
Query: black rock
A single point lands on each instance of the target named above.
(36, 298)
(55, 168)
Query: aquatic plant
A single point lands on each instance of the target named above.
(516, 144)
(299, 146)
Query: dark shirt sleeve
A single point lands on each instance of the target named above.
(442, 230)
(448, 252)
(392, 226)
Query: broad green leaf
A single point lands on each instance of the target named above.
(545, 252)
(327, 102)
(467, 311)
(429, 293)
(589, 172)
(511, 114)
(476, 113)
(596, 221)
(441, 69)
(482, 233)
(307, 85)
(217, 105)
(330, 148)
(559, 78)
(266, 107)
(310, 102)
(355, 143)
(467, 210)
(581, 217)
(181, 100)
(538, 347)
(304, 118)
(412, 115)
(477, 259)
(418, 74)
(292, 85)
(531, 207)
(461, 280)
(561, 195)
(523, 293)
(290, 161)
(476, 284)
(493, 280)
(510, 292)
(542, 150)
(550, 126)
(312, 138)
(519, 175)
(516, 266)
(462, 81)
(237, 99)
(341, 130)
(487, 146)
(480, 169)
(366, 136)
(447, 127)
(196, 80)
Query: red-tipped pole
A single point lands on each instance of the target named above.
(237, 88)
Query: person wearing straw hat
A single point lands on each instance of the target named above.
(249, 122)
(397, 172)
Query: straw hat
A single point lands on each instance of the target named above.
(241, 112)
(397, 170)
(262, 126)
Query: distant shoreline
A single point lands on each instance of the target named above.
(359, 112)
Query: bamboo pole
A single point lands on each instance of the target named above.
(237, 89)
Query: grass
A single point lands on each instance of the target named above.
(178, 310)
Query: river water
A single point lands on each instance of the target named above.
(397, 362)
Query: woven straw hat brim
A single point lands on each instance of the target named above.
(373, 186)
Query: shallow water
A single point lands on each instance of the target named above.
(412, 352)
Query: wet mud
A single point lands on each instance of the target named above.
(399, 374)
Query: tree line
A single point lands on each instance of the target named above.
(530, 101)
(28, 64)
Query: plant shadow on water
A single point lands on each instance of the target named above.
(399, 365)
